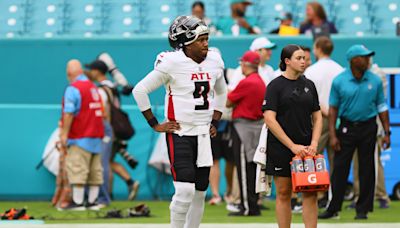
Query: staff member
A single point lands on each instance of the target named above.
(293, 116)
(81, 133)
(246, 100)
(356, 98)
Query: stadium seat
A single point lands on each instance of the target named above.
(12, 18)
(123, 17)
(385, 16)
(160, 14)
(47, 18)
(38, 18)
(85, 17)
(352, 17)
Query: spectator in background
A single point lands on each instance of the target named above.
(198, 10)
(109, 95)
(285, 27)
(322, 74)
(356, 98)
(263, 46)
(96, 73)
(81, 133)
(238, 23)
(247, 121)
(316, 19)
(307, 53)
(221, 146)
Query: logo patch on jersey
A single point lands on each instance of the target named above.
(201, 76)
(369, 86)
(306, 89)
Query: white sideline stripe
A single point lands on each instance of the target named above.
(252, 225)
(57, 106)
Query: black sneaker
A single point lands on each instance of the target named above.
(328, 215)
(383, 204)
(133, 189)
(73, 207)
(361, 216)
(239, 213)
(322, 203)
(93, 206)
(351, 206)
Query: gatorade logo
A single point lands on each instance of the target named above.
(300, 167)
(319, 166)
(312, 178)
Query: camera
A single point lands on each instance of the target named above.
(121, 149)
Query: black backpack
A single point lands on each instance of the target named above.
(120, 122)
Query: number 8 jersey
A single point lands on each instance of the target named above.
(193, 90)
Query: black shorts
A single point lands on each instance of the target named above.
(182, 153)
(278, 160)
(221, 145)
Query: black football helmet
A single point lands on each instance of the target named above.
(184, 30)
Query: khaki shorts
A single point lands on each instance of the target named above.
(83, 167)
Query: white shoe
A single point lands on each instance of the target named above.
(297, 209)
(232, 207)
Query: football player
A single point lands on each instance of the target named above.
(195, 95)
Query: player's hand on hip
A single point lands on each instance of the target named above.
(386, 142)
(213, 131)
(168, 127)
(335, 144)
(299, 150)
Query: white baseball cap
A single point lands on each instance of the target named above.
(261, 42)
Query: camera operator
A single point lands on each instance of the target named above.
(110, 96)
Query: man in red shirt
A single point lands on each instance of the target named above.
(246, 100)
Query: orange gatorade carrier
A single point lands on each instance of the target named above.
(315, 176)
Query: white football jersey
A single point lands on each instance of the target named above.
(190, 90)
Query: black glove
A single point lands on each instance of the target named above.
(127, 90)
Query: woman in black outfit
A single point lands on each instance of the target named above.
(294, 120)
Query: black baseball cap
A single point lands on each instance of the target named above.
(97, 65)
(284, 16)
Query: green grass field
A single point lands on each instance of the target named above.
(160, 214)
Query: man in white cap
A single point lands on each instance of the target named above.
(263, 46)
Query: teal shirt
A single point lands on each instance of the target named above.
(357, 100)
(225, 25)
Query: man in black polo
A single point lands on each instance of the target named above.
(356, 98)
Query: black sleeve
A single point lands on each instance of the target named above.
(315, 105)
(271, 98)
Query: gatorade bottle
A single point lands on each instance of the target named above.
(320, 164)
(297, 163)
(309, 164)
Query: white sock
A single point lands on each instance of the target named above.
(179, 207)
(78, 194)
(196, 210)
(93, 193)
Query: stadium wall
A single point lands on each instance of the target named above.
(33, 76)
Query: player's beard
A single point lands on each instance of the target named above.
(204, 53)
